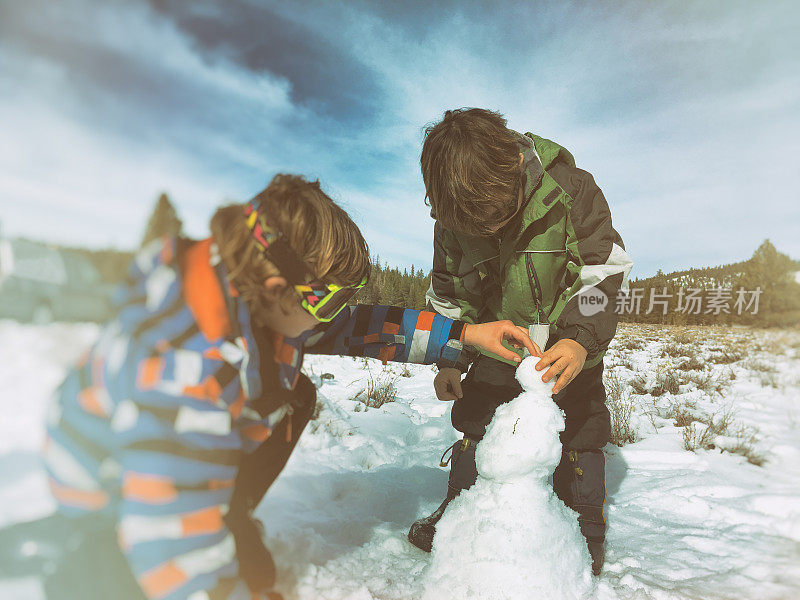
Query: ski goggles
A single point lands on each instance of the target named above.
(326, 300)
(321, 300)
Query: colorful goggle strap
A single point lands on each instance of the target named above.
(274, 245)
(324, 300)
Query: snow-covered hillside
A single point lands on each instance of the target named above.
(716, 523)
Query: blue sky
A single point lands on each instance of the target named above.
(687, 113)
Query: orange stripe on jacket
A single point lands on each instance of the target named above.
(425, 320)
(149, 489)
(162, 580)
(90, 402)
(94, 500)
(149, 372)
(203, 293)
(257, 433)
(213, 353)
(218, 484)
(202, 522)
(209, 389)
(284, 353)
(391, 328)
(387, 353)
(236, 407)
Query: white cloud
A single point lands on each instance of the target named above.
(687, 117)
(65, 178)
(705, 159)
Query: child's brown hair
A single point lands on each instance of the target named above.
(470, 166)
(318, 230)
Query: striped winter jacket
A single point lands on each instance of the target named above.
(150, 428)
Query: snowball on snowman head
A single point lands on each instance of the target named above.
(522, 439)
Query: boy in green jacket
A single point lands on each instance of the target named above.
(522, 234)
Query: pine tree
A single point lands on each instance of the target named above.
(163, 221)
(772, 272)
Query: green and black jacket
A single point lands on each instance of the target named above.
(560, 247)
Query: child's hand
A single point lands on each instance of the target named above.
(490, 336)
(447, 384)
(566, 357)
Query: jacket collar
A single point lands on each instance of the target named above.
(288, 355)
(532, 169)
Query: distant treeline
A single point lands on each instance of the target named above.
(709, 295)
(388, 285)
(721, 295)
(113, 264)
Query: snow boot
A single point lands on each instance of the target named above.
(463, 474)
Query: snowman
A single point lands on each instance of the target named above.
(509, 537)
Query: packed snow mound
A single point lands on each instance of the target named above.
(531, 380)
(522, 439)
(509, 537)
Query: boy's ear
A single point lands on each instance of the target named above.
(275, 286)
(521, 158)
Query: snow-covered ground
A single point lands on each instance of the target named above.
(717, 523)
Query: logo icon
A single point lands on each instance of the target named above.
(591, 302)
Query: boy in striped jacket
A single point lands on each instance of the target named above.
(167, 435)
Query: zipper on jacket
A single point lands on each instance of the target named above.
(536, 289)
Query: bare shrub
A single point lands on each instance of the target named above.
(379, 391)
(639, 384)
(621, 408)
(651, 415)
(613, 384)
(630, 343)
(725, 355)
(745, 445)
(691, 364)
(406, 372)
(683, 336)
(707, 382)
(769, 379)
(681, 414)
(702, 433)
(775, 345)
(666, 381)
(675, 350)
(330, 419)
(761, 366)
